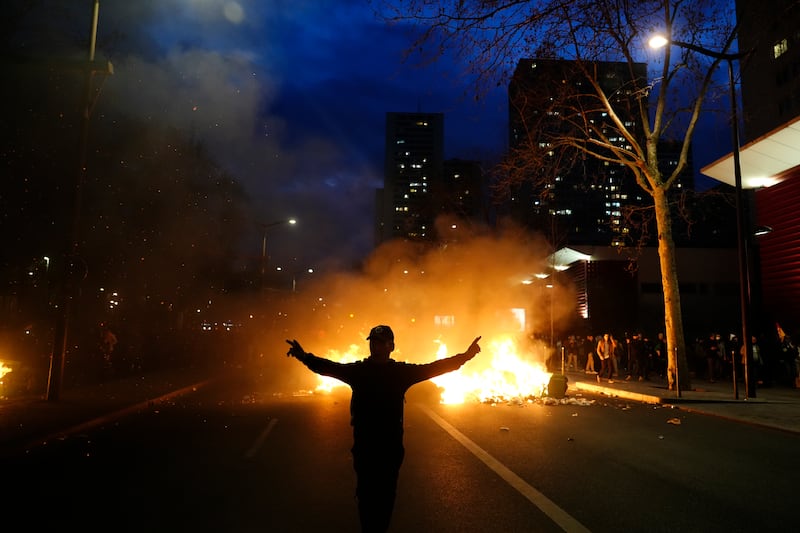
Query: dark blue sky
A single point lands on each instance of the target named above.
(291, 97)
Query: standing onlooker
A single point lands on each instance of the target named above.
(638, 358)
(604, 351)
(579, 341)
(758, 363)
(660, 355)
(588, 347)
(711, 349)
(726, 356)
(572, 353)
(616, 354)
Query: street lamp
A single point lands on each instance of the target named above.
(265, 227)
(55, 376)
(660, 41)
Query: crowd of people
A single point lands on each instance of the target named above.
(608, 357)
(775, 361)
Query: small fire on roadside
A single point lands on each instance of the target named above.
(499, 373)
(4, 369)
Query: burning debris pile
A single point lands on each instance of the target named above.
(498, 375)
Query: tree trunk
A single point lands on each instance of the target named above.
(677, 367)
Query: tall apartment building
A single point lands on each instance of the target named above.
(462, 193)
(771, 72)
(413, 166)
(583, 199)
(420, 185)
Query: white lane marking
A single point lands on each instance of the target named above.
(260, 440)
(547, 506)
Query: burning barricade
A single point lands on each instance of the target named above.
(501, 374)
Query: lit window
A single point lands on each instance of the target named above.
(780, 48)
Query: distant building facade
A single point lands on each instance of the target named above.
(771, 71)
(619, 290)
(770, 159)
(420, 186)
(413, 165)
(582, 199)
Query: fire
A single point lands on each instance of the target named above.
(504, 375)
(4, 369)
(327, 384)
(497, 373)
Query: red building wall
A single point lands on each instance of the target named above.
(779, 208)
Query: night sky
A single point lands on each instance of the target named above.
(290, 96)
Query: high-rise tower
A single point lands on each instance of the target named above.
(413, 169)
(577, 199)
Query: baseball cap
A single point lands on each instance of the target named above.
(381, 332)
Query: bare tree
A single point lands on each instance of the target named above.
(491, 36)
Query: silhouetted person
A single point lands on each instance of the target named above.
(378, 385)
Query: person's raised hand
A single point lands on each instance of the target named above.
(474, 348)
(296, 350)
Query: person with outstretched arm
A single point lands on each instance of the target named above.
(378, 385)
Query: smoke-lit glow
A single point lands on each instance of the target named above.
(437, 299)
(4, 369)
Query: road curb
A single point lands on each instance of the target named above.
(618, 393)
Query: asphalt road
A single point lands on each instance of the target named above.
(229, 457)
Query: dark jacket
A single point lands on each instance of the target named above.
(379, 388)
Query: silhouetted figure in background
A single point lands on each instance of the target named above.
(712, 357)
(108, 341)
(572, 353)
(588, 347)
(378, 385)
(638, 358)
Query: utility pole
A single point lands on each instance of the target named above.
(69, 271)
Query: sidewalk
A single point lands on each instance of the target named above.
(776, 407)
(31, 421)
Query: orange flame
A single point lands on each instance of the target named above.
(4, 369)
(326, 383)
(504, 375)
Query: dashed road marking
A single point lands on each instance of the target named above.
(260, 440)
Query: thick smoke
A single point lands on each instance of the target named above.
(447, 294)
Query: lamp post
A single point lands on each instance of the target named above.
(55, 376)
(741, 233)
(265, 227)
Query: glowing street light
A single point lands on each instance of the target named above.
(55, 376)
(265, 227)
(659, 41)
